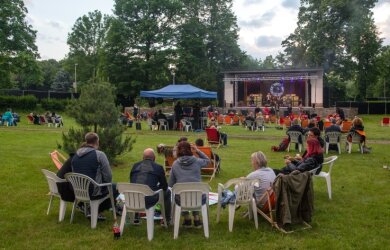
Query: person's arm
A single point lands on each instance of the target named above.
(105, 167)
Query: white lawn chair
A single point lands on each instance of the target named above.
(190, 194)
(244, 189)
(135, 202)
(260, 124)
(250, 125)
(294, 138)
(163, 124)
(333, 138)
(355, 140)
(52, 180)
(187, 126)
(328, 161)
(81, 184)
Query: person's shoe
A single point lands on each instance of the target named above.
(101, 217)
(197, 224)
(187, 223)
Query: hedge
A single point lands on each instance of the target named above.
(18, 102)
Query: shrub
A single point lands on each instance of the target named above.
(18, 102)
(54, 105)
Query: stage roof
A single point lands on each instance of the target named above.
(180, 91)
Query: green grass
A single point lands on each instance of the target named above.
(358, 216)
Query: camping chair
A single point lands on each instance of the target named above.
(135, 202)
(244, 189)
(356, 139)
(327, 124)
(81, 185)
(220, 119)
(272, 209)
(236, 120)
(305, 123)
(328, 161)
(30, 119)
(294, 138)
(213, 137)
(250, 125)
(191, 195)
(228, 120)
(163, 124)
(346, 126)
(213, 167)
(52, 180)
(42, 120)
(186, 125)
(333, 138)
(385, 121)
(57, 158)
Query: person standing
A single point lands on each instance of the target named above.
(196, 115)
(149, 173)
(178, 112)
(93, 163)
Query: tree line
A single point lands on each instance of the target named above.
(133, 47)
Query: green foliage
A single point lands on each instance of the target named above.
(95, 110)
(61, 81)
(18, 102)
(54, 105)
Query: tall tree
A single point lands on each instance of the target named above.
(18, 52)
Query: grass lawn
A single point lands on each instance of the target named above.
(358, 216)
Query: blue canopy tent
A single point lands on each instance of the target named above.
(180, 91)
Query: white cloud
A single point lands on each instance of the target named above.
(268, 41)
(293, 4)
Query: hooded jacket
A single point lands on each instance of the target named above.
(188, 168)
(93, 163)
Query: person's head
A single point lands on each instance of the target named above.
(357, 122)
(258, 160)
(333, 121)
(315, 132)
(159, 111)
(92, 139)
(182, 139)
(9, 109)
(184, 149)
(149, 154)
(199, 142)
(313, 146)
(295, 121)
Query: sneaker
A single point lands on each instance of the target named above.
(136, 222)
(100, 217)
(197, 224)
(187, 223)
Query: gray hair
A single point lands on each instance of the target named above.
(260, 159)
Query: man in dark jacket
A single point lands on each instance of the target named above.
(149, 173)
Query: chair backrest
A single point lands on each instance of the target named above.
(207, 150)
(327, 124)
(330, 161)
(162, 122)
(81, 185)
(42, 119)
(134, 195)
(30, 118)
(356, 138)
(294, 136)
(220, 119)
(333, 136)
(236, 120)
(57, 158)
(287, 121)
(260, 121)
(190, 194)
(212, 135)
(244, 190)
(228, 120)
(52, 180)
(249, 123)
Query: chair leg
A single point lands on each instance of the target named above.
(218, 210)
(150, 222)
(329, 185)
(50, 201)
(177, 222)
(205, 218)
(327, 147)
(94, 213)
(232, 210)
(62, 210)
(123, 220)
(339, 148)
(73, 208)
(349, 147)
(254, 210)
(288, 147)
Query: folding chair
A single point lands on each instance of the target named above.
(333, 138)
(243, 189)
(135, 202)
(294, 138)
(81, 185)
(30, 119)
(190, 195)
(57, 158)
(260, 124)
(385, 121)
(213, 137)
(169, 159)
(213, 167)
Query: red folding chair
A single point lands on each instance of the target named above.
(385, 121)
(57, 158)
(213, 137)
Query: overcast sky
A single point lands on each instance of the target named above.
(263, 23)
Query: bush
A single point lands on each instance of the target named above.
(18, 102)
(54, 105)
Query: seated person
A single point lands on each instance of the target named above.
(316, 133)
(311, 159)
(57, 119)
(357, 128)
(37, 119)
(65, 189)
(7, 117)
(48, 117)
(222, 135)
(212, 122)
(200, 143)
(161, 115)
(332, 128)
(296, 127)
(265, 174)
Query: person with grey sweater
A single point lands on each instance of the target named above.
(187, 168)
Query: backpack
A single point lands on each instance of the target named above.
(282, 146)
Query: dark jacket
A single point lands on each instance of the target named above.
(149, 173)
(294, 198)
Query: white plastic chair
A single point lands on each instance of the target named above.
(186, 125)
(328, 161)
(190, 194)
(80, 184)
(250, 125)
(52, 180)
(294, 138)
(244, 189)
(333, 138)
(163, 124)
(135, 202)
(260, 123)
(355, 140)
